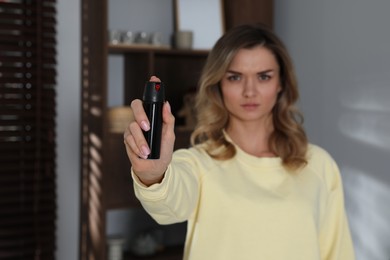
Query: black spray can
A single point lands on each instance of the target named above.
(153, 101)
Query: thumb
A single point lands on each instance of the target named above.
(168, 132)
(168, 117)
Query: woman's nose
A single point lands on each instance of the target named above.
(249, 89)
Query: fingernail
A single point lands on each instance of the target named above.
(145, 126)
(169, 107)
(145, 151)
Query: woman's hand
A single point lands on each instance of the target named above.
(149, 171)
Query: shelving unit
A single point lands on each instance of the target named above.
(105, 180)
(105, 177)
(179, 69)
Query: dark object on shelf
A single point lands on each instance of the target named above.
(115, 247)
(187, 111)
(148, 243)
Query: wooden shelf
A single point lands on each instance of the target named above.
(124, 47)
(149, 48)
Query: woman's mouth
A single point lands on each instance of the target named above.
(250, 106)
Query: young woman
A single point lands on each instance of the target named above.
(251, 186)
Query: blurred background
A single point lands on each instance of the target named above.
(342, 60)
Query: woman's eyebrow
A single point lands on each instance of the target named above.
(266, 71)
(233, 72)
(261, 72)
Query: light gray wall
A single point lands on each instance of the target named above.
(150, 16)
(341, 53)
(68, 128)
(342, 57)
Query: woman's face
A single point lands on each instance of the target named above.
(251, 85)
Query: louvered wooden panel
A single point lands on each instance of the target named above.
(27, 129)
(93, 82)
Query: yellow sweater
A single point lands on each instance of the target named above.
(250, 208)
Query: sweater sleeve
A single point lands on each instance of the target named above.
(175, 198)
(335, 239)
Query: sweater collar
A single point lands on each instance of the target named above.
(251, 159)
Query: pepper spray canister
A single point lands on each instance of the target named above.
(153, 101)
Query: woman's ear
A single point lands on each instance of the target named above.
(280, 91)
(280, 88)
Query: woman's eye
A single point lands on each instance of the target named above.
(234, 77)
(264, 77)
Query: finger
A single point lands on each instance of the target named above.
(154, 79)
(131, 147)
(133, 157)
(140, 115)
(138, 139)
(168, 118)
(129, 141)
(168, 138)
(134, 154)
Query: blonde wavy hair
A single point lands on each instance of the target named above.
(288, 140)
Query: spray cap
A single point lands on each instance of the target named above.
(154, 92)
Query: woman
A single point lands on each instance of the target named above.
(251, 186)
